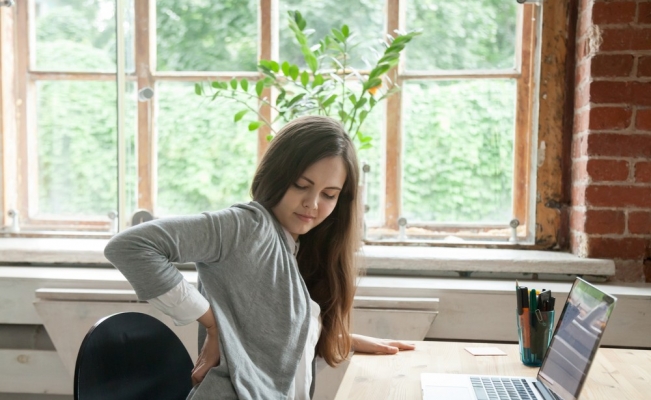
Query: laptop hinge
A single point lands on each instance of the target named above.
(546, 393)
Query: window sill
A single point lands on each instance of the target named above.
(404, 260)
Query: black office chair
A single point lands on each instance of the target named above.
(132, 356)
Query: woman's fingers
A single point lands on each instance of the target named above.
(199, 372)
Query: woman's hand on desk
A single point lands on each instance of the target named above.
(367, 344)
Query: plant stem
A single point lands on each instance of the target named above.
(254, 110)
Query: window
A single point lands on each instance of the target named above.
(452, 150)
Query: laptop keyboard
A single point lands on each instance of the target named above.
(491, 388)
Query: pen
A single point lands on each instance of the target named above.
(518, 298)
(525, 322)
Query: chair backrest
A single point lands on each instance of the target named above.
(132, 356)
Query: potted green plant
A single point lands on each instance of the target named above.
(328, 86)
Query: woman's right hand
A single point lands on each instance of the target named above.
(209, 354)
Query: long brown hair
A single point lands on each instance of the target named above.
(327, 253)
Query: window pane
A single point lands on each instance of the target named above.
(462, 34)
(204, 35)
(458, 154)
(79, 35)
(364, 18)
(76, 142)
(205, 160)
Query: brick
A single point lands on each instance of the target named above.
(610, 118)
(584, 23)
(639, 222)
(581, 121)
(604, 222)
(619, 145)
(622, 248)
(582, 50)
(643, 171)
(628, 38)
(643, 120)
(577, 221)
(578, 195)
(582, 73)
(613, 13)
(644, 66)
(607, 170)
(617, 196)
(611, 92)
(641, 94)
(580, 147)
(581, 96)
(580, 172)
(644, 13)
(604, 65)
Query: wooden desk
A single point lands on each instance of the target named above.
(615, 373)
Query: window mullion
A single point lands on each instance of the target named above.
(393, 106)
(523, 118)
(268, 50)
(8, 113)
(23, 101)
(145, 40)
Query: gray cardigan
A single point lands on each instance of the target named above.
(251, 281)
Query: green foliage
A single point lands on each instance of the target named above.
(457, 159)
(324, 86)
(462, 34)
(206, 35)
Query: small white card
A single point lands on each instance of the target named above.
(485, 351)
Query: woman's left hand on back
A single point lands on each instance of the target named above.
(368, 344)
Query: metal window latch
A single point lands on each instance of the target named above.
(514, 230)
(113, 216)
(145, 94)
(15, 222)
(402, 223)
(6, 3)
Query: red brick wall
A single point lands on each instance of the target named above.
(611, 146)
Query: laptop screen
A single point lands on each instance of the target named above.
(576, 339)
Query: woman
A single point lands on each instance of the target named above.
(277, 274)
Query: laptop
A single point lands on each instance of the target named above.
(565, 365)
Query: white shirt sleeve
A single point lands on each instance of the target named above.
(183, 303)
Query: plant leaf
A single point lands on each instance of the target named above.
(239, 115)
(234, 83)
(198, 90)
(295, 99)
(293, 72)
(285, 68)
(305, 78)
(338, 35)
(345, 31)
(330, 100)
(371, 83)
(318, 80)
(362, 116)
(245, 84)
(269, 138)
(312, 62)
(259, 87)
(352, 99)
(255, 125)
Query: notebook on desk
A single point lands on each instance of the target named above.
(564, 368)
